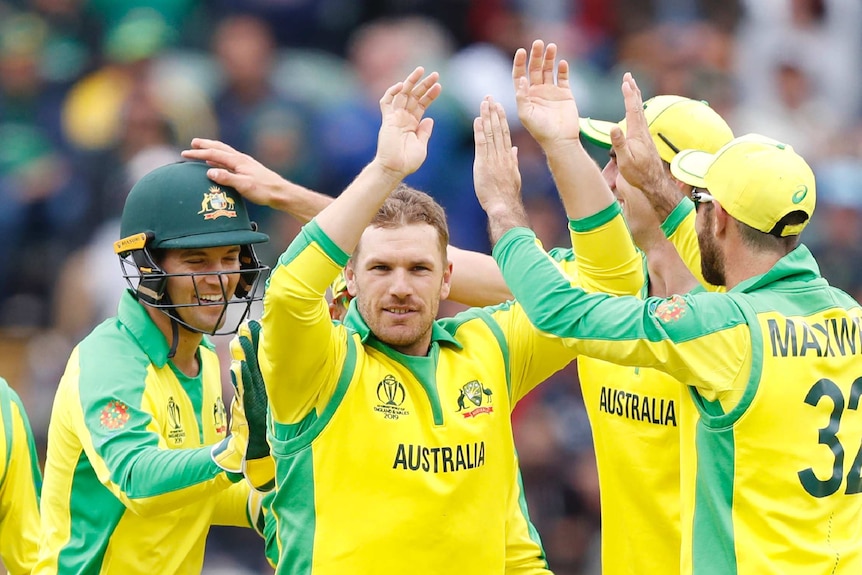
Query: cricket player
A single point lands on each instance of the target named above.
(20, 484)
(142, 458)
(771, 471)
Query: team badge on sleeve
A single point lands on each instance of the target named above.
(114, 415)
(671, 309)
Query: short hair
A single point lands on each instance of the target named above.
(406, 206)
(773, 241)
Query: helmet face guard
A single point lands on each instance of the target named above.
(149, 282)
(178, 207)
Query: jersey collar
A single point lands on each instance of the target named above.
(133, 315)
(354, 320)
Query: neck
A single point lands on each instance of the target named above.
(185, 356)
(745, 263)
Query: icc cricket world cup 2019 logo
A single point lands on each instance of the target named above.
(176, 433)
(475, 392)
(391, 394)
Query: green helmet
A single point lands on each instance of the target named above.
(177, 207)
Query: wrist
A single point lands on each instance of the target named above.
(387, 175)
(564, 146)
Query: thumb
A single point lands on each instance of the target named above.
(618, 139)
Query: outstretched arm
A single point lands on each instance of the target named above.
(637, 156)
(548, 111)
(256, 182)
(640, 164)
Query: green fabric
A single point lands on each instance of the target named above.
(676, 217)
(596, 220)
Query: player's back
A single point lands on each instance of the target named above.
(782, 467)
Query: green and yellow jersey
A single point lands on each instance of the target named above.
(771, 470)
(20, 484)
(387, 463)
(635, 416)
(130, 486)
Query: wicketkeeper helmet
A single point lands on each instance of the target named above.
(177, 206)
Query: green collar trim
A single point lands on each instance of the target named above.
(134, 317)
(354, 321)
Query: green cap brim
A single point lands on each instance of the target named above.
(690, 166)
(215, 240)
(597, 131)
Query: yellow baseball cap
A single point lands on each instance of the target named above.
(756, 179)
(676, 123)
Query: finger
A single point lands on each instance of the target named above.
(240, 182)
(214, 157)
(487, 128)
(619, 144)
(563, 74)
(389, 94)
(430, 95)
(548, 64)
(204, 143)
(504, 124)
(497, 129)
(479, 136)
(534, 68)
(424, 129)
(519, 67)
(635, 119)
(414, 97)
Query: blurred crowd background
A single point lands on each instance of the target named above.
(95, 93)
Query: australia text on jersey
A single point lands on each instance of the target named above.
(439, 459)
(659, 411)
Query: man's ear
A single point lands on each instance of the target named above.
(722, 220)
(350, 278)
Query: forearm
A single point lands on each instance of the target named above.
(668, 274)
(298, 201)
(605, 256)
(579, 180)
(344, 220)
(505, 216)
(476, 279)
(663, 196)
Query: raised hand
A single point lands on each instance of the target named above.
(546, 106)
(402, 143)
(496, 177)
(637, 157)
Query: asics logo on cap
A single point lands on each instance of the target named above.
(800, 194)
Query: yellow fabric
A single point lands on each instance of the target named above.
(682, 122)
(438, 489)
(19, 498)
(163, 533)
(756, 179)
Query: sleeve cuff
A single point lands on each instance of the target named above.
(596, 220)
(676, 217)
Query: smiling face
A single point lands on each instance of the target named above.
(205, 295)
(398, 276)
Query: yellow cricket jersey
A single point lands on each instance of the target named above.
(130, 487)
(20, 484)
(773, 368)
(635, 416)
(387, 463)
